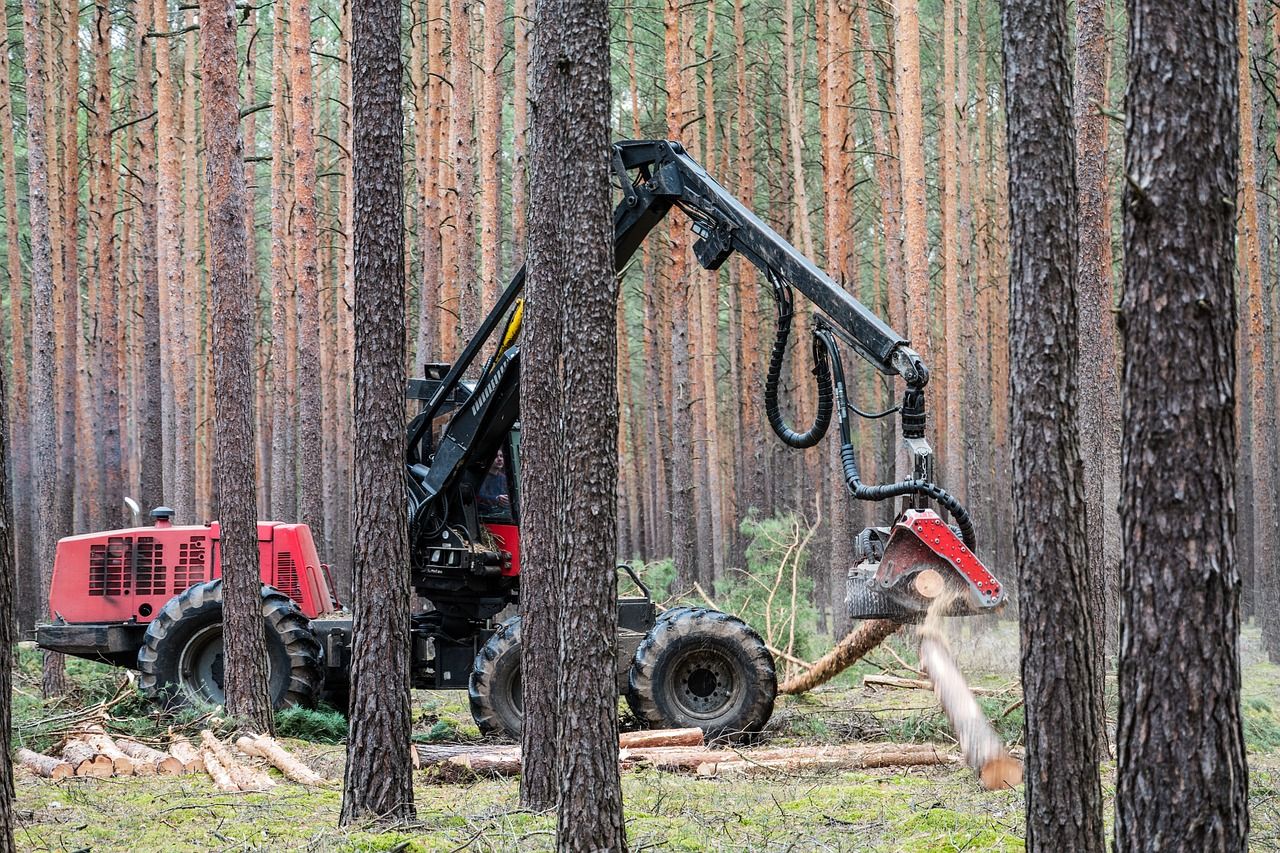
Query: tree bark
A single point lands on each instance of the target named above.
(1060, 676)
(26, 575)
(490, 153)
(244, 640)
(379, 774)
(466, 306)
(1096, 345)
(44, 434)
(906, 54)
(570, 533)
(307, 448)
(283, 503)
(1180, 718)
(8, 638)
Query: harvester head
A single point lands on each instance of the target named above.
(904, 569)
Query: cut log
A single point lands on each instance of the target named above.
(161, 762)
(929, 583)
(849, 756)
(45, 765)
(246, 778)
(86, 760)
(181, 749)
(846, 653)
(981, 746)
(97, 738)
(285, 762)
(221, 778)
(919, 684)
(660, 737)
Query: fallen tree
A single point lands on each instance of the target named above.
(846, 653)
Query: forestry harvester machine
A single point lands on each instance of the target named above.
(150, 598)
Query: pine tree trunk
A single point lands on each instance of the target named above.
(245, 653)
(466, 306)
(26, 578)
(148, 390)
(8, 576)
(307, 448)
(379, 776)
(572, 294)
(1060, 676)
(490, 153)
(1179, 667)
(283, 502)
(1096, 355)
(107, 353)
(906, 54)
(44, 463)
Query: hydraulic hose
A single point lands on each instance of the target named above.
(887, 491)
(821, 372)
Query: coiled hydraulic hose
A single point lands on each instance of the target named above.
(849, 458)
(821, 372)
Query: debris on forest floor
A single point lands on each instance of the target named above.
(682, 751)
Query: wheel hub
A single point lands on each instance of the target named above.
(703, 684)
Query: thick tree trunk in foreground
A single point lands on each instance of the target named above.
(44, 432)
(245, 653)
(8, 573)
(379, 775)
(1182, 780)
(1060, 675)
(572, 307)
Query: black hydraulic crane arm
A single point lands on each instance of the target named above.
(669, 177)
(657, 175)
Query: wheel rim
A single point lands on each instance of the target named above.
(516, 691)
(703, 684)
(200, 668)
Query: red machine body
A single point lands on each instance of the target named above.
(129, 575)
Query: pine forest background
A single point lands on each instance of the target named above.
(875, 143)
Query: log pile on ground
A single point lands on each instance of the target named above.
(45, 765)
(244, 777)
(266, 747)
(90, 751)
(683, 751)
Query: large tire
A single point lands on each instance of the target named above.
(494, 686)
(703, 668)
(180, 662)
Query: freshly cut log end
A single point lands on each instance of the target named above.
(150, 760)
(98, 738)
(1000, 773)
(86, 760)
(929, 583)
(45, 765)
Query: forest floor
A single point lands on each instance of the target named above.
(918, 809)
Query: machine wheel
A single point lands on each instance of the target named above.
(703, 668)
(494, 687)
(180, 661)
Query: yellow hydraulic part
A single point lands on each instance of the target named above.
(513, 329)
